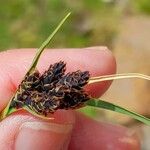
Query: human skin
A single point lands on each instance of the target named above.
(70, 129)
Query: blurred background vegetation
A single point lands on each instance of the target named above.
(122, 25)
(26, 23)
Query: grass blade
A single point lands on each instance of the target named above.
(45, 43)
(12, 110)
(118, 76)
(109, 106)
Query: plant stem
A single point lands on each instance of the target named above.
(118, 76)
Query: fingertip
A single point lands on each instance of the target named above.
(105, 65)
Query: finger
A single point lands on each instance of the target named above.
(23, 132)
(90, 134)
(17, 67)
(15, 63)
(28, 125)
(20, 131)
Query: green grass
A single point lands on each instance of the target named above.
(25, 23)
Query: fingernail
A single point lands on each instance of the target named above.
(39, 135)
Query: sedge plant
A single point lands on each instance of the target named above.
(43, 94)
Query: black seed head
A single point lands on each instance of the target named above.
(54, 73)
(52, 90)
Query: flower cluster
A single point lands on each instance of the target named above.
(52, 90)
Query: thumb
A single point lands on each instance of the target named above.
(23, 132)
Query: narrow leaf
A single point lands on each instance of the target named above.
(109, 106)
(12, 110)
(118, 76)
(45, 43)
(5, 111)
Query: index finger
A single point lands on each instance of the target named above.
(15, 63)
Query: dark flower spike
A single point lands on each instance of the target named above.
(52, 90)
(42, 95)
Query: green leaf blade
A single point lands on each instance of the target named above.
(45, 43)
(109, 106)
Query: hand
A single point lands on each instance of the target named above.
(70, 129)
